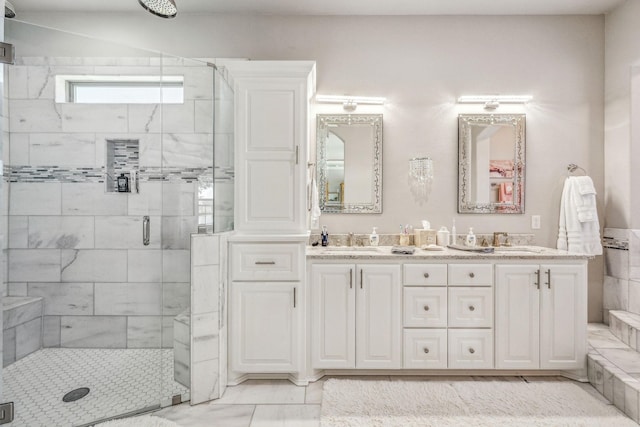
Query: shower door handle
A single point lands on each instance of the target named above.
(146, 230)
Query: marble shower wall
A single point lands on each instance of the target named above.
(81, 248)
(622, 271)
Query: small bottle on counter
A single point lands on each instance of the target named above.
(373, 237)
(324, 236)
(442, 236)
(471, 238)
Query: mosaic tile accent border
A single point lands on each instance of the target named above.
(71, 174)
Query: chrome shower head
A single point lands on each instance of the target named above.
(161, 8)
(9, 10)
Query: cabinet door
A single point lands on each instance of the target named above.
(563, 316)
(271, 122)
(264, 319)
(517, 317)
(333, 316)
(379, 317)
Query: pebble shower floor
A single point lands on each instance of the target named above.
(121, 381)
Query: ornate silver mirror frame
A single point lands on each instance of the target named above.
(349, 163)
(491, 163)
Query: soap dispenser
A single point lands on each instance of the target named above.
(373, 237)
(325, 236)
(471, 238)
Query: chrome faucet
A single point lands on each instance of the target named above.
(496, 237)
(350, 239)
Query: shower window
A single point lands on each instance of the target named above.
(120, 89)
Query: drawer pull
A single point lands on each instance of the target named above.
(471, 350)
(548, 279)
(426, 308)
(350, 278)
(265, 263)
(426, 350)
(471, 308)
(538, 279)
(426, 275)
(472, 275)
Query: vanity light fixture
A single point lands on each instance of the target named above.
(349, 103)
(491, 102)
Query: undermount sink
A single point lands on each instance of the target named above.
(523, 249)
(352, 249)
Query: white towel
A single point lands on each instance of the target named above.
(314, 205)
(579, 229)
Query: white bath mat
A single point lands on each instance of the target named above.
(362, 403)
(143, 421)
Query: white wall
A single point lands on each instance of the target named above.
(421, 65)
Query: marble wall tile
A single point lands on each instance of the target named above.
(145, 118)
(62, 149)
(224, 198)
(8, 346)
(34, 265)
(28, 337)
(51, 331)
(148, 201)
(631, 402)
(205, 291)
(598, 377)
(615, 293)
(205, 249)
(181, 370)
(616, 263)
(18, 232)
(176, 298)
(144, 332)
(203, 324)
(224, 149)
(93, 332)
(19, 148)
(94, 117)
(205, 348)
(28, 309)
(204, 381)
(92, 265)
(187, 149)
(17, 289)
(144, 265)
(618, 393)
(178, 118)
(634, 296)
(17, 82)
(64, 299)
(125, 232)
(181, 331)
(198, 82)
(35, 198)
(176, 231)
(35, 116)
(178, 199)
(61, 232)
(167, 331)
(203, 121)
(224, 116)
(634, 254)
(91, 199)
(128, 299)
(176, 266)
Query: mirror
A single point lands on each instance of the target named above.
(491, 159)
(349, 163)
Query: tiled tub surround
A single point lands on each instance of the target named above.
(21, 327)
(622, 271)
(80, 248)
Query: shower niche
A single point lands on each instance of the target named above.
(123, 164)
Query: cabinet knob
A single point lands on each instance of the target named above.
(471, 308)
(472, 275)
(471, 350)
(426, 308)
(426, 350)
(426, 275)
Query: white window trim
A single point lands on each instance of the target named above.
(64, 82)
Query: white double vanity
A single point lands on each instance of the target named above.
(300, 312)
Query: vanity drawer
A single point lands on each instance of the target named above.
(425, 274)
(425, 349)
(266, 261)
(470, 348)
(425, 307)
(470, 274)
(470, 307)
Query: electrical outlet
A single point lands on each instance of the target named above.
(535, 222)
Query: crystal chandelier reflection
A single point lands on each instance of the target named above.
(420, 178)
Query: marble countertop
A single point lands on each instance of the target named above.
(384, 252)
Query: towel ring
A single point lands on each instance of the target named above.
(573, 167)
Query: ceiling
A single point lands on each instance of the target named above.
(338, 7)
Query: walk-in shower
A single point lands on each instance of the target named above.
(108, 169)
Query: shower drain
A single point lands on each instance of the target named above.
(76, 394)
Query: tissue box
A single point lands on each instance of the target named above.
(424, 237)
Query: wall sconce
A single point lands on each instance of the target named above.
(491, 102)
(420, 177)
(349, 103)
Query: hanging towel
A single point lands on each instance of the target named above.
(505, 194)
(579, 229)
(314, 205)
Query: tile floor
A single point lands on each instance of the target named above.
(279, 403)
(121, 381)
